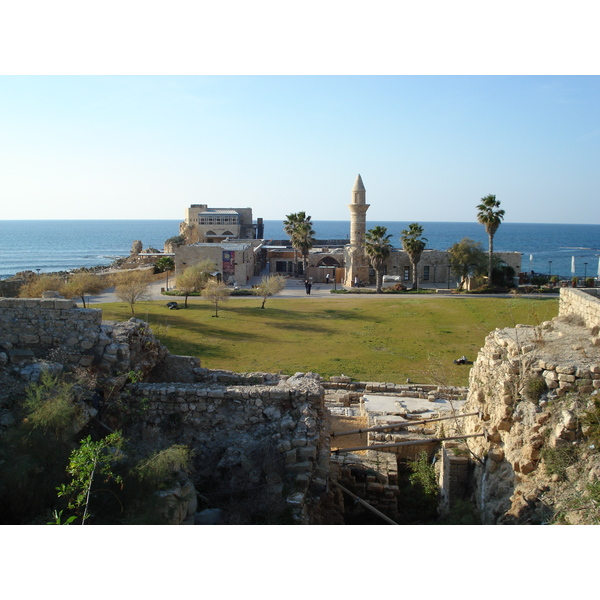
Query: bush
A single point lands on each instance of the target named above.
(50, 405)
(535, 387)
(558, 460)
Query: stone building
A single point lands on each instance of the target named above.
(357, 263)
(229, 238)
(212, 225)
(236, 262)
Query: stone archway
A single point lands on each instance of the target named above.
(328, 265)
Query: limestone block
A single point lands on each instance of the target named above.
(566, 369)
(527, 467)
(504, 425)
(496, 454)
(568, 419)
(530, 453)
(567, 378)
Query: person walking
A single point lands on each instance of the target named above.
(308, 287)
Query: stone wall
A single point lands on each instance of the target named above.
(252, 433)
(272, 438)
(59, 330)
(44, 324)
(583, 303)
(526, 381)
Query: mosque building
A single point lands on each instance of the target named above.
(230, 238)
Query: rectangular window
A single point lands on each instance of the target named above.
(426, 273)
(406, 273)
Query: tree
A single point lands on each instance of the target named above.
(36, 285)
(193, 279)
(88, 462)
(467, 259)
(131, 287)
(215, 292)
(299, 227)
(269, 286)
(164, 263)
(413, 244)
(378, 248)
(83, 283)
(490, 218)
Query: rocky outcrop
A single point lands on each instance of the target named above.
(534, 385)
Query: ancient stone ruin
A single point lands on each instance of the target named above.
(263, 441)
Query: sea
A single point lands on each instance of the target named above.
(63, 245)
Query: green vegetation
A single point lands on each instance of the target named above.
(373, 339)
(378, 248)
(299, 227)
(56, 469)
(269, 286)
(131, 287)
(535, 387)
(164, 263)
(467, 259)
(490, 216)
(413, 244)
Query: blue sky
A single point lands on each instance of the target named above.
(428, 147)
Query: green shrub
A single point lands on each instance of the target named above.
(535, 387)
(590, 422)
(50, 405)
(423, 475)
(558, 460)
(160, 469)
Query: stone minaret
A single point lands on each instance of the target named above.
(357, 264)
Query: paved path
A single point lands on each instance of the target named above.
(295, 289)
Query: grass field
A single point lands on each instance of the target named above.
(368, 339)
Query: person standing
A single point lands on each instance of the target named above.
(308, 287)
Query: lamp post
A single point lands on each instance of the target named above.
(584, 272)
(167, 272)
(549, 268)
(448, 279)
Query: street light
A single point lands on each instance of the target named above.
(549, 268)
(167, 271)
(584, 272)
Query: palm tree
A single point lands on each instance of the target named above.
(299, 227)
(413, 244)
(378, 248)
(490, 219)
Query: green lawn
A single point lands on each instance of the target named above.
(368, 339)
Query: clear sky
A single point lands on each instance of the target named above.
(428, 147)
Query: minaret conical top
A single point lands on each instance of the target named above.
(358, 185)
